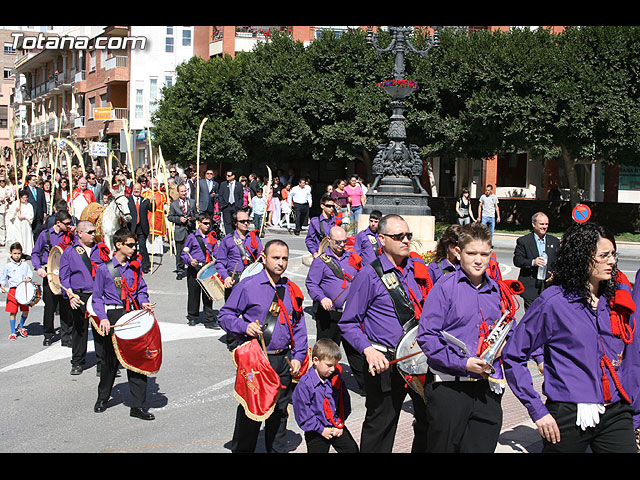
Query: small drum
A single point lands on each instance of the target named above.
(28, 293)
(210, 281)
(137, 342)
(53, 270)
(411, 360)
(252, 270)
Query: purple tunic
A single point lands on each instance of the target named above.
(319, 228)
(322, 281)
(439, 269)
(574, 338)
(105, 292)
(308, 401)
(369, 315)
(40, 252)
(456, 306)
(228, 256)
(364, 248)
(74, 273)
(195, 250)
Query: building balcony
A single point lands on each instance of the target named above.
(116, 69)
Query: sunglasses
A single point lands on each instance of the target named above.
(130, 245)
(66, 223)
(398, 237)
(243, 221)
(206, 223)
(90, 232)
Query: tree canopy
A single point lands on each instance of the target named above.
(571, 96)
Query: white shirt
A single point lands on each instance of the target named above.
(301, 195)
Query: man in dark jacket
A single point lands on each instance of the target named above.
(529, 257)
(139, 224)
(229, 199)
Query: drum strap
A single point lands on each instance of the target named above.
(333, 265)
(119, 282)
(270, 321)
(374, 243)
(401, 303)
(85, 259)
(243, 252)
(204, 249)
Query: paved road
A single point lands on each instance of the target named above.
(45, 409)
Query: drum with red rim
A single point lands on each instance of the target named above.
(137, 342)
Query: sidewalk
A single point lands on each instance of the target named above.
(518, 434)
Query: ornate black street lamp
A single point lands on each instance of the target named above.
(397, 167)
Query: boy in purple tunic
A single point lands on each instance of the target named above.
(367, 242)
(591, 358)
(321, 402)
(463, 404)
(320, 226)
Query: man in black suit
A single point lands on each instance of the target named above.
(230, 199)
(39, 204)
(139, 224)
(208, 191)
(528, 257)
(182, 213)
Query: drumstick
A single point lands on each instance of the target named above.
(264, 347)
(186, 249)
(399, 359)
(71, 294)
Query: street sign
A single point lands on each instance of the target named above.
(581, 213)
(99, 149)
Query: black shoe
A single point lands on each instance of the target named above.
(100, 406)
(66, 343)
(192, 323)
(212, 325)
(76, 370)
(141, 414)
(46, 342)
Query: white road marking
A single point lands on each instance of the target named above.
(168, 331)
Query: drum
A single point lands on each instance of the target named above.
(92, 314)
(137, 342)
(28, 293)
(252, 270)
(53, 270)
(411, 360)
(210, 281)
(307, 259)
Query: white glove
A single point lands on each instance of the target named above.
(589, 414)
(496, 387)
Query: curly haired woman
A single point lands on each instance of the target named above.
(583, 325)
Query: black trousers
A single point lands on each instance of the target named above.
(345, 443)
(194, 295)
(302, 212)
(386, 393)
(613, 434)
(109, 368)
(464, 417)
(80, 331)
(327, 327)
(227, 213)
(51, 303)
(180, 266)
(246, 431)
(141, 240)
